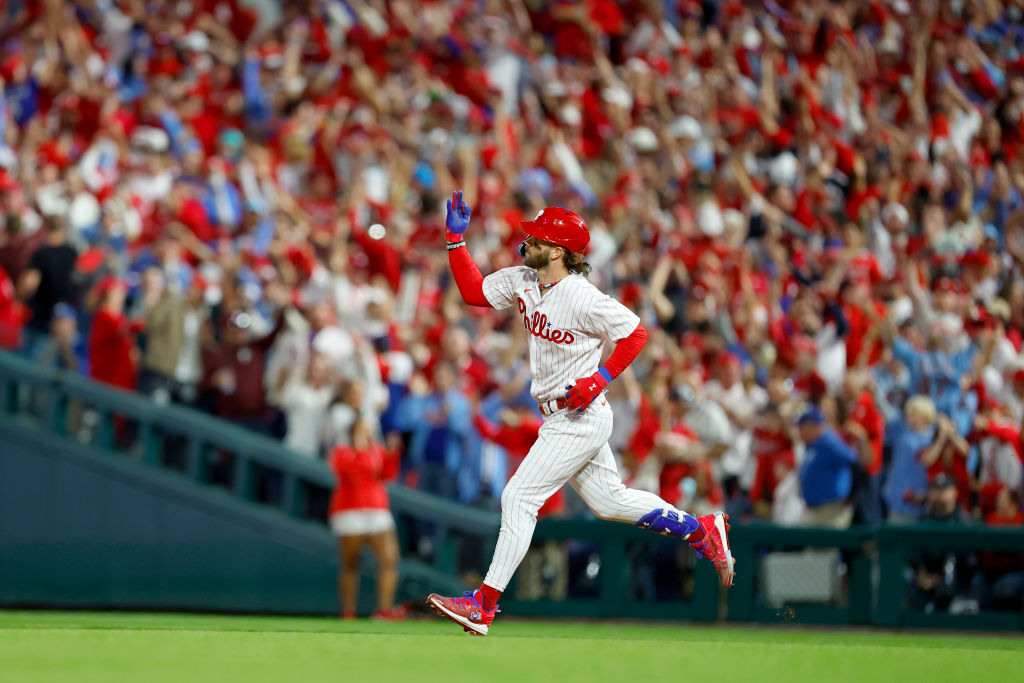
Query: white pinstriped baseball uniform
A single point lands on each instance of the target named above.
(569, 327)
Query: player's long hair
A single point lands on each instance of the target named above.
(575, 263)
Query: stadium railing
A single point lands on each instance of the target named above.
(860, 576)
(954, 547)
(191, 447)
(816, 576)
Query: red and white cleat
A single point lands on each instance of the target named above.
(466, 611)
(715, 546)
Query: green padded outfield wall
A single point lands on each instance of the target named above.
(78, 529)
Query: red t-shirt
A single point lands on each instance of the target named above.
(864, 266)
(769, 448)
(193, 215)
(858, 198)
(866, 414)
(647, 427)
(323, 213)
(111, 340)
(607, 15)
(571, 41)
(860, 324)
(361, 476)
(12, 314)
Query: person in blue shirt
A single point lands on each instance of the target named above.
(440, 424)
(936, 372)
(826, 473)
(907, 479)
(21, 93)
(892, 389)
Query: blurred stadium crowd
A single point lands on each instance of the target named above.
(815, 207)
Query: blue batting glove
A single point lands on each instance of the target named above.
(458, 215)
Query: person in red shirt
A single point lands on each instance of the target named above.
(360, 515)
(771, 443)
(112, 351)
(865, 316)
(947, 455)
(864, 429)
(113, 354)
(13, 314)
(998, 442)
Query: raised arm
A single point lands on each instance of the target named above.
(467, 276)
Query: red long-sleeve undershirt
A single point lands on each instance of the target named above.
(467, 277)
(626, 351)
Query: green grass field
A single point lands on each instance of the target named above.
(81, 647)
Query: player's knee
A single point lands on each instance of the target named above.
(508, 497)
(599, 508)
(517, 499)
(515, 495)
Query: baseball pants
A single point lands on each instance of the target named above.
(572, 447)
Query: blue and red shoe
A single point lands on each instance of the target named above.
(715, 546)
(467, 611)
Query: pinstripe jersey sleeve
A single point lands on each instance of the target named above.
(610, 318)
(500, 286)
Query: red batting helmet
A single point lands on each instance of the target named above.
(559, 226)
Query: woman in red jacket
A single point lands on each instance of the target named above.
(360, 514)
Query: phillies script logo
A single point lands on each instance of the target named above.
(539, 326)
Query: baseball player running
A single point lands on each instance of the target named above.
(569, 321)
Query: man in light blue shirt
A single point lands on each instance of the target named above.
(936, 373)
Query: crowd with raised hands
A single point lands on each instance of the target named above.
(815, 207)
